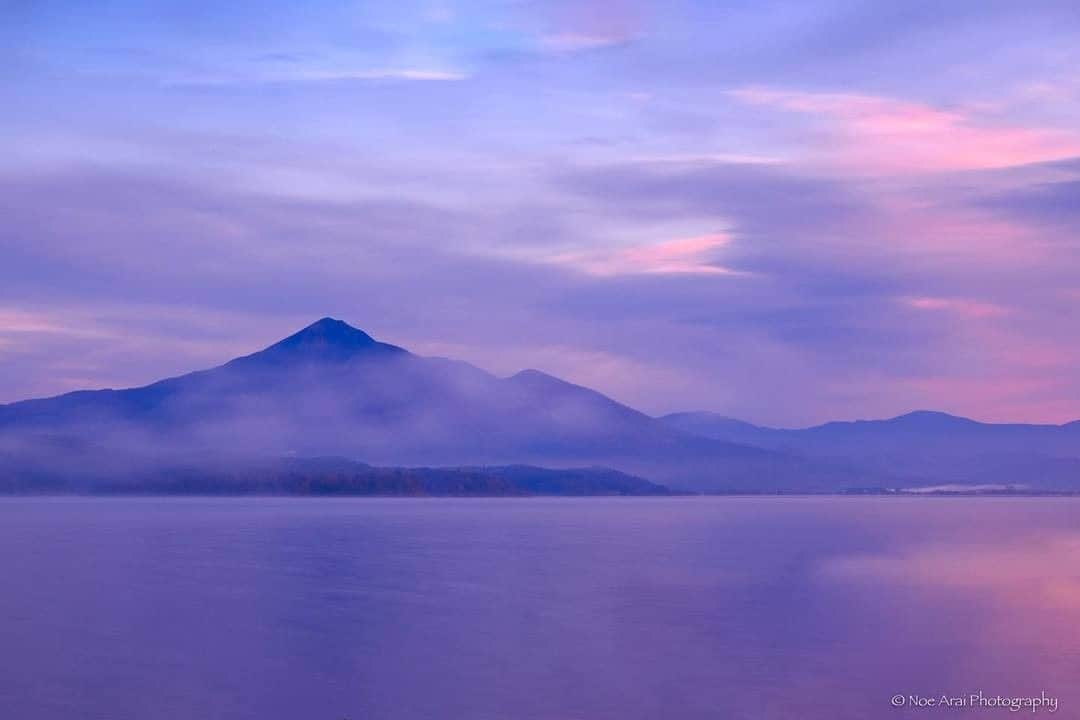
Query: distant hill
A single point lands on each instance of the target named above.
(924, 447)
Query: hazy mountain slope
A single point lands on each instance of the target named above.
(721, 427)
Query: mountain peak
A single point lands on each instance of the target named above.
(326, 339)
(931, 418)
(327, 332)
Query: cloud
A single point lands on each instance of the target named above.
(883, 135)
(758, 194)
(693, 255)
(319, 75)
(1050, 203)
(13, 320)
(418, 74)
(568, 42)
(961, 306)
(584, 25)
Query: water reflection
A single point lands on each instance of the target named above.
(588, 608)
(1040, 573)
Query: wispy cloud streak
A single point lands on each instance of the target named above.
(887, 135)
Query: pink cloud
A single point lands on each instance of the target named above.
(693, 255)
(16, 321)
(578, 26)
(888, 135)
(960, 306)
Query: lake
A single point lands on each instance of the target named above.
(619, 609)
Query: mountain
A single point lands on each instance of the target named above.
(333, 390)
(926, 447)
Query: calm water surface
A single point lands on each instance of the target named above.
(198, 609)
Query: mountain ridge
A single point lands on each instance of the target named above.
(331, 389)
(935, 447)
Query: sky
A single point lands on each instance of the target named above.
(786, 212)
